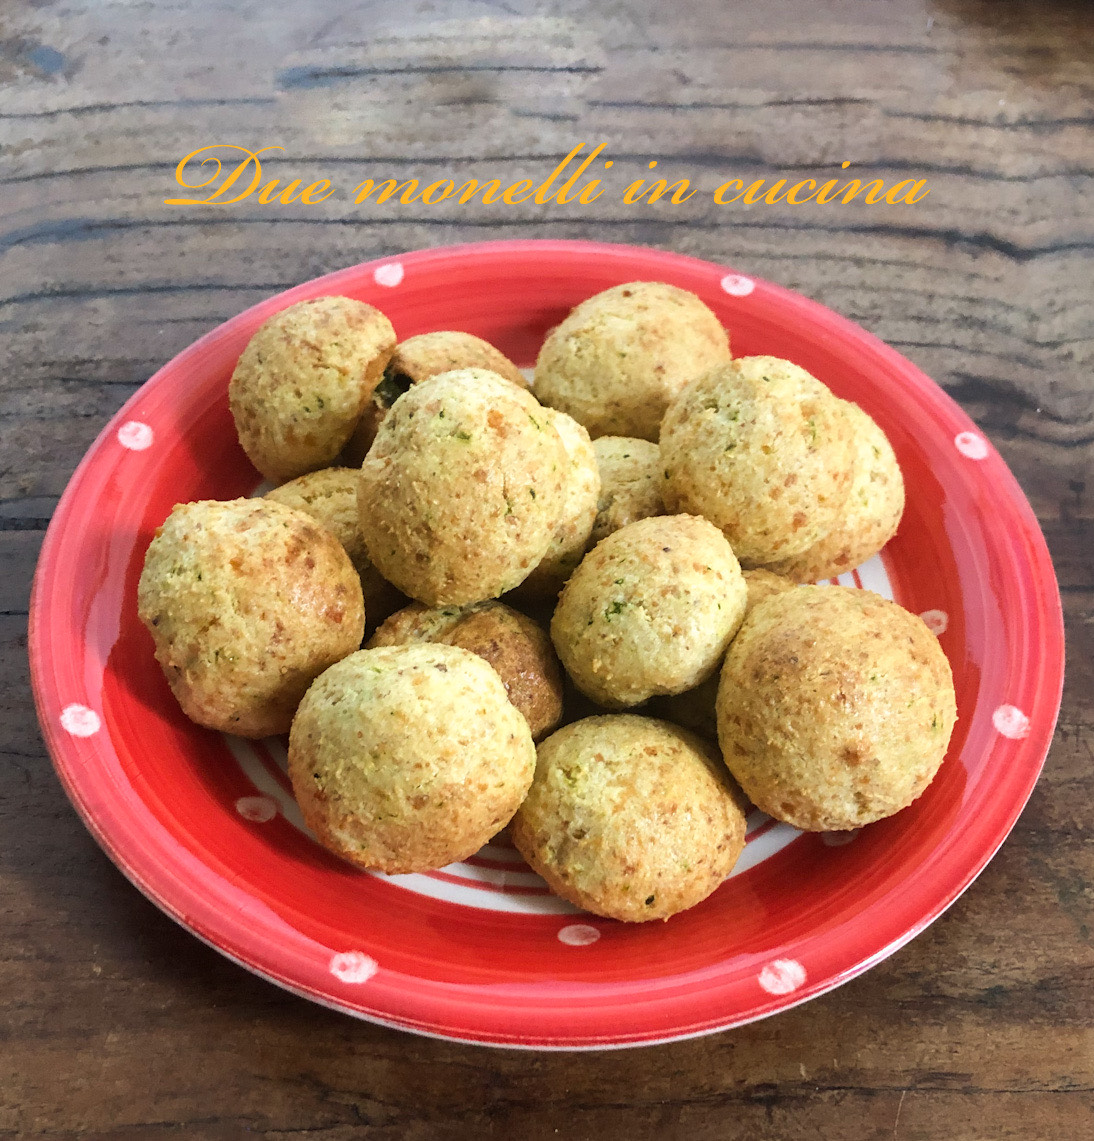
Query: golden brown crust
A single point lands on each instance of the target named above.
(462, 491)
(517, 647)
(408, 758)
(329, 496)
(619, 357)
(871, 515)
(301, 383)
(835, 707)
(247, 602)
(763, 450)
(629, 818)
(524, 658)
(650, 610)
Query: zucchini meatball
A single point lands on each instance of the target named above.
(247, 602)
(300, 386)
(650, 610)
(329, 496)
(762, 584)
(416, 359)
(408, 758)
(462, 492)
(517, 647)
(762, 450)
(630, 483)
(618, 359)
(629, 818)
(835, 707)
(871, 515)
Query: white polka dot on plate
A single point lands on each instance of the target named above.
(971, 445)
(1011, 722)
(783, 976)
(353, 967)
(737, 286)
(135, 436)
(80, 721)
(936, 621)
(389, 274)
(578, 935)
(257, 809)
(838, 839)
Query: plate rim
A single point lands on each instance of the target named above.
(1038, 561)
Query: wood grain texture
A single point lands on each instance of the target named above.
(116, 1023)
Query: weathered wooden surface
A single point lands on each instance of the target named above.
(116, 1023)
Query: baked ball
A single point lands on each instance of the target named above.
(580, 494)
(329, 496)
(429, 354)
(835, 707)
(762, 450)
(630, 483)
(462, 492)
(415, 359)
(247, 602)
(695, 708)
(629, 818)
(301, 384)
(618, 359)
(761, 584)
(408, 757)
(517, 647)
(650, 610)
(870, 516)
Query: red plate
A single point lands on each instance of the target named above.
(480, 952)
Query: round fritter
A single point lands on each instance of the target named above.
(330, 497)
(415, 359)
(835, 707)
(650, 610)
(247, 602)
(870, 516)
(462, 491)
(762, 450)
(429, 354)
(629, 818)
(517, 648)
(409, 757)
(303, 379)
(630, 483)
(694, 709)
(580, 493)
(763, 584)
(618, 359)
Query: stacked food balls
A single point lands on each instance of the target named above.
(795, 478)
(615, 503)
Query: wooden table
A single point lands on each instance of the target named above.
(115, 1022)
